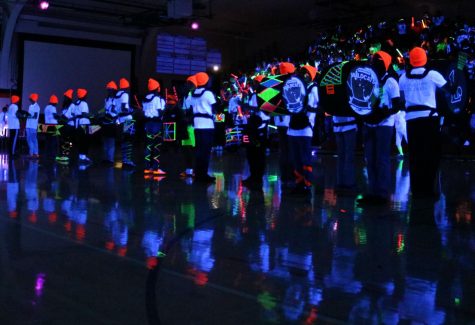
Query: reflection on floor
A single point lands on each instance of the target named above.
(102, 245)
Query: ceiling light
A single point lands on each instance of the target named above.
(43, 4)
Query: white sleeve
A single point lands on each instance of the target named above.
(84, 108)
(392, 88)
(210, 97)
(437, 78)
(402, 82)
(313, 97)
(124, 99)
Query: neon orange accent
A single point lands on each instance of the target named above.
(330, 89)
(298, 177)
(308, 168)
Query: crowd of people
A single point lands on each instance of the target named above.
(397, 53)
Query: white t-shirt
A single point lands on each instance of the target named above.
(203, 105)
(390, 91)
(109, 106)
(50, 110)
(187, 102)
(343, 128)
(313, 103)
(122, 98)
(153, 105)
(13, 121)
(80, 108)
(421, 91)
(69, 114)
(32, 120)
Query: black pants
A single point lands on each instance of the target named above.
(204, 141)
(51, 145)
(82, 140)
(286, 171)
(12, 141)
(188, 152)
(220, 134)
(301, 157)
(256, 157)
(424, 143)
(67, 134)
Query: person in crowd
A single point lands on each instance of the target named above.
(188, 141)
(13, 126)
(282, 124)
(418, 88)
(109, 128)
(202, 101)
(51, 122)
(153, 107)
(32, 126)
(378, 132)
(256, 131)
(67, 129)
(127, 123)
(300, 132)
(82, 122)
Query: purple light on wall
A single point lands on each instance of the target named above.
(195, 25)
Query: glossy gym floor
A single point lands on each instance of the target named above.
(102, 245)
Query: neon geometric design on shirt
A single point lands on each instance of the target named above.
(268, 94)
(268, 107)
(333, 76)
(271, 82)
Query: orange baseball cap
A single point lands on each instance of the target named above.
(153, 84)
(81, 93)
(53, 99)
(286, 68)
(34, 97)
(417, 57)
(124, 83)
(192, 79)
(15, 99)
(111, 85)
(68, 93)
(202, 79)
(311, 70)
(385, 57)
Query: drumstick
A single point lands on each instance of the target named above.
(137, 102)
(239, 111)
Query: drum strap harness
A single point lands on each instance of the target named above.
(148, 100)
(344, 123)
(203, 115)
(419, 108)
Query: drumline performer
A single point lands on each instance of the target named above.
(153, 107)
(378, 131)
(418, 88)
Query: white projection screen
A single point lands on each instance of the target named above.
(51, 68)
